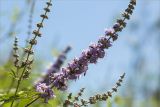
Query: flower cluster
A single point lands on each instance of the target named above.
(56, 66)
(43, 87)
(80, 65)
(45, 91)
(95, 51)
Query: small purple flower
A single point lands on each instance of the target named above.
(114, 37)
(48, 95)
(46, 91)
(83, 69)
(97, 51)
(74, 65)
(60, 82)
(116, 26)
(109, 31)
(104, 43)
(93, 55)
(83, 59)
(65, 71)
(101, 53)
(41, 87)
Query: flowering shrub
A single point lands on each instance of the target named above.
(57, 76)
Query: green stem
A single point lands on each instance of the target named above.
(32, 102)
(28, 55)
(19, 80)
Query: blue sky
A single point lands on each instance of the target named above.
(78, 23)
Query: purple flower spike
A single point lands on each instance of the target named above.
(56, 66)
(79, 65)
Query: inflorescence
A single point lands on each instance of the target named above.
(79, 65)
(44, 85)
